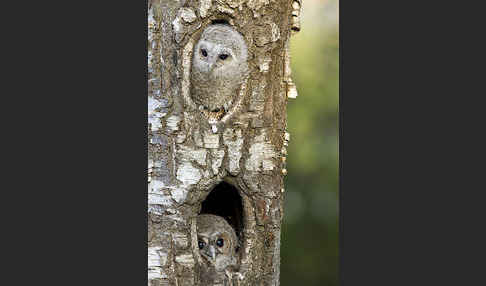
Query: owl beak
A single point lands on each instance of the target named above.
(212, 252)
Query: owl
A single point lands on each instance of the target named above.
(217, 242)
(219, 66)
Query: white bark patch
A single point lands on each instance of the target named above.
(156, 209)
(188, 15)
(232, 3)
(178, 28)
(156, 186)
(196, 135)
(180, 240)
(177, 25)
(275, 32)
(151, 24)
(214, 128)
(257, 102)
(155, 194)
(189, 119)
(154, 273)
(159, 199)
(287, 136)
(150, 18)
(225, 10)
(149, 170)
(204, 7)
(291, 90)
(264, 65)
(153, 115)
(185, 259)
(156, 260)
(233, 139)
(154, 122)
(188, 174)
(187, 154)
(262, 154)
(173, 122)
(181, 137)
(179, 195)
(295, 8)
(211, 141)
(295, 20)
(149, 61)
(153, 165)
(186, 75)
(217, 158)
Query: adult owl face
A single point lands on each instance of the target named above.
(216, 241)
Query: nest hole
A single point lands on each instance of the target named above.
(219, 21)
(225, 201)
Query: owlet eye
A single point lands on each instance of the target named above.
(220, 242)
(223, 56)
(201, 244)
(204, 52)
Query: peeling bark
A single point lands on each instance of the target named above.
(188, 156)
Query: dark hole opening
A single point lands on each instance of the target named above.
(220, 21)
(225, 201)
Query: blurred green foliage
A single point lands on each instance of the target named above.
(309, 251)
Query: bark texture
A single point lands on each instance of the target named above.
(239, 160)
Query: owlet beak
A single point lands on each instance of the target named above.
(211, 252)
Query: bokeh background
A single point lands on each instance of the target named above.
(310, 240)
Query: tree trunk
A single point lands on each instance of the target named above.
(234, 167)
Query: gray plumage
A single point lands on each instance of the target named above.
(217, 242)
(219, 66)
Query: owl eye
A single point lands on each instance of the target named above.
(223, 56)
(201, 244)
(204, 52)
(220, 242)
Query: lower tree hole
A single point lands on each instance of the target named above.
(219, 21)
(225, 201)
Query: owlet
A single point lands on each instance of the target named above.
(217, 244)
(219, 66)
